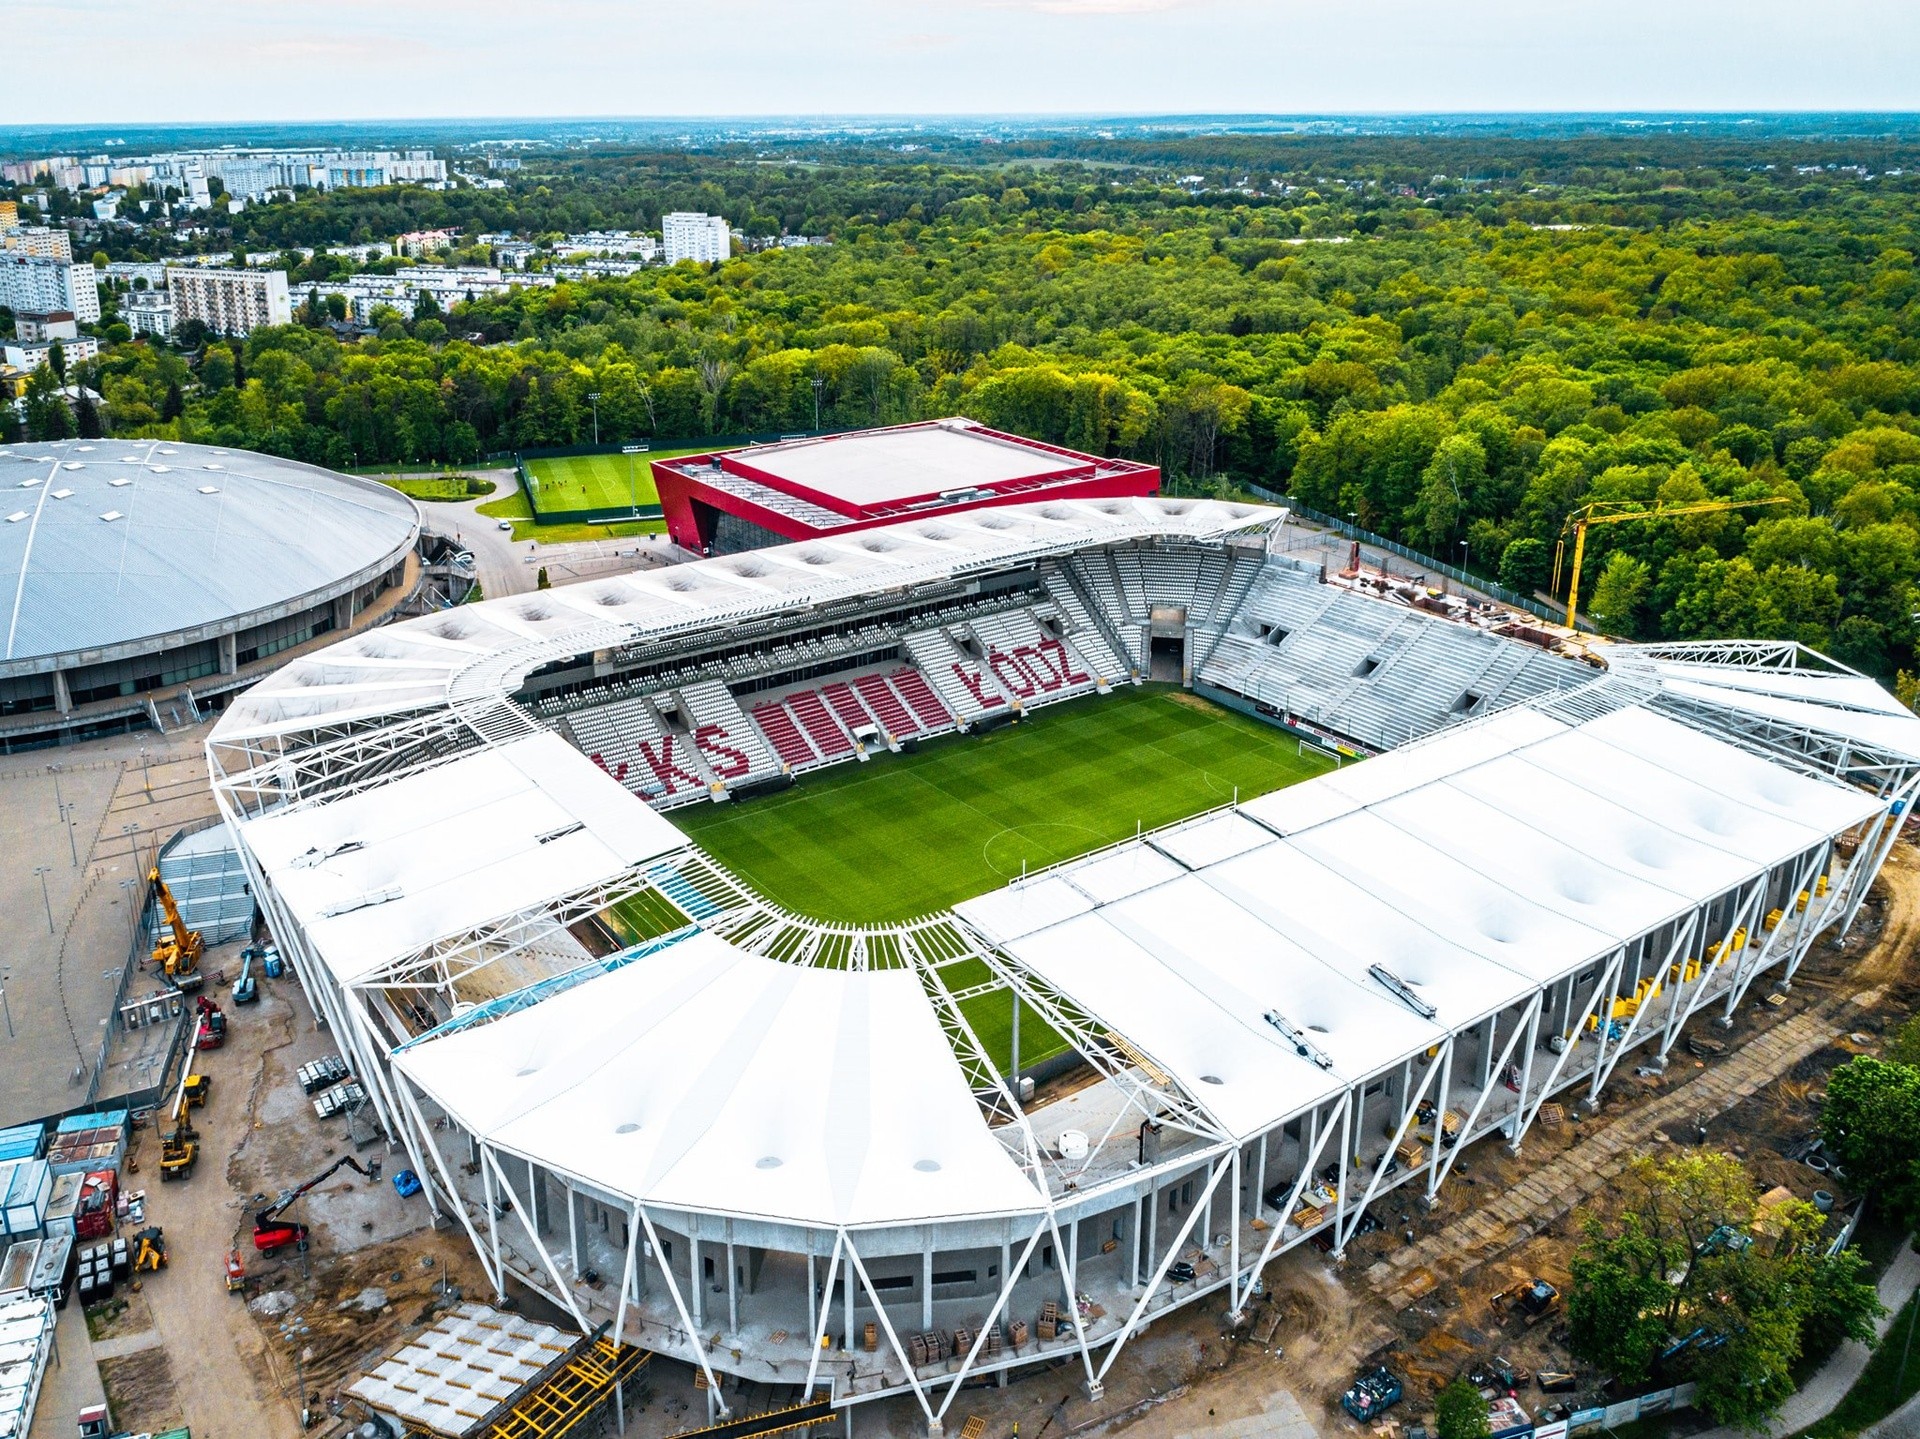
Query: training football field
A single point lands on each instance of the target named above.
(596, 482)
(907, 834)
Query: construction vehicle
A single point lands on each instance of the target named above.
(236, 1273)
(246, 989)
(178, 955)
(180, 1146)
(271, 1231)
(149, 1249)
(211, 1031)
(1532, 1298)
(1614, 512)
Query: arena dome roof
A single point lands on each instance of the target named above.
(118, 547)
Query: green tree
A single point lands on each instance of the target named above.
(1687, 1260)
(86, 415)
(1526, 565)
(1460, 1412)
(1870, 1121)
(1616, 598)
(57, 361)
(45, 411)
(1904, 1047)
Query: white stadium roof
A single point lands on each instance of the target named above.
(705, 1078)
(383, 874)
(418, 665)
(1473, 866)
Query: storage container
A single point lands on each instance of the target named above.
(26, 1186)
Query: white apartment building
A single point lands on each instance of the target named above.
(148, 312)
(56, 325)
(691, 236)
(122, 273)
(40, 284)
(622, 243)
(229, 302)
(30, 355)
(38, 240)
(416, 243)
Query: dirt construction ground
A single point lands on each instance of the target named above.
(1415, 1294)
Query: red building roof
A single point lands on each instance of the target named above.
(799, 489)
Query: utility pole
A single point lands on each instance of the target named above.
(818, 385)
(43, 870)
(594, 400)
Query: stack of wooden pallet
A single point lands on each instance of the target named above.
(1049, 1322)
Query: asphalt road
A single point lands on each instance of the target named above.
(505, 566)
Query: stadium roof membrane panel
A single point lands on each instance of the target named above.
(706, 1078)
(382, 874)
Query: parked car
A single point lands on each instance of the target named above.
(505, 525)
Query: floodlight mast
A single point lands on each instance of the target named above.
(1302, 1046)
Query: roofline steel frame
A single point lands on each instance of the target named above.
(1221, 1157)
(290, 763)
(1346, 1216)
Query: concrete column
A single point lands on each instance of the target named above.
(62, 696)
(926, 1284)
(847, 1268)
(733, 1286)
(229, 653)
(696, 1278)
(1135, 1237)
(574, 1246)
(343, 609)
(537, 1198)
(1153, 1232)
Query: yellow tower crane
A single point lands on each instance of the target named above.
(1612, 512)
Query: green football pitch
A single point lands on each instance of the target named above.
(905, 835)
(596, 482)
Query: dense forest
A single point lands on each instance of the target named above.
(1457, 341)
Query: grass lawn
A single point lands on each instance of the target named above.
(513, 506)
(905, 835)
(594, 482)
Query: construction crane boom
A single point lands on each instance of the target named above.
(1601, 513)
(178, 955)
(270, 1231)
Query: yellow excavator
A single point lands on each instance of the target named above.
(180, 1147)
(1614, 512)
(178, 955)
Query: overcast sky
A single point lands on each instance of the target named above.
(118, 61)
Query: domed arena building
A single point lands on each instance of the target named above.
(142, 582)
